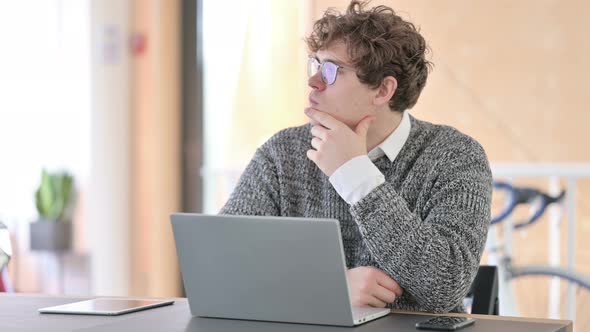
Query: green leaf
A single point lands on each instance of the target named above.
(53, 198)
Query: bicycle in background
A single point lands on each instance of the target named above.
(500, 251)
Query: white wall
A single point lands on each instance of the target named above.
(108, 198)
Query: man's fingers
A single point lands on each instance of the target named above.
(375, 302)
(312, 155)
(324, 119)
(319, 131)
(316, 142)
(384, 294)
(386, 281)
(367, 300)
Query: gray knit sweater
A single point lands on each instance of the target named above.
(426, 226)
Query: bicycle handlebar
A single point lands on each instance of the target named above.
(523, 195)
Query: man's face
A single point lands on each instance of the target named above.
(347, 99)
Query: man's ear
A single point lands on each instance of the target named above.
(385, 91)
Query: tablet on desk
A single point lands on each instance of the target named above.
(105, 306)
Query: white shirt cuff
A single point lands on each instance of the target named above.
(356, 178)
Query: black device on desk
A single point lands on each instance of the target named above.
(445, 323)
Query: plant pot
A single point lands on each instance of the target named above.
(51, 235)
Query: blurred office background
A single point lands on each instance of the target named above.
(156, 106)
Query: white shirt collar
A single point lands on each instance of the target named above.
(393, 144)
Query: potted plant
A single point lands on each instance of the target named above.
(5, 248)
(54, 200)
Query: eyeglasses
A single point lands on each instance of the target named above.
(328, 69)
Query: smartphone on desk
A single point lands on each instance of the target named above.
(445, 323)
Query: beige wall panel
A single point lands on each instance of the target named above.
(506, 72)
(156, 148)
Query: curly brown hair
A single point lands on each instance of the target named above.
(380, 44)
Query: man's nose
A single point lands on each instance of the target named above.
(315, 82)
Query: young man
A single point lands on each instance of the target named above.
(413, 198)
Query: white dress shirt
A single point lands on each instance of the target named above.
(359, 176)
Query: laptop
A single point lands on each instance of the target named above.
(266, 268)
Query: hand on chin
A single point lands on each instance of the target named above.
(312, 121)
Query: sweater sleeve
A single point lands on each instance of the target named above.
(433, 253)
(257, 191)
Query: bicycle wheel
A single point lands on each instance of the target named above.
(531, 285)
